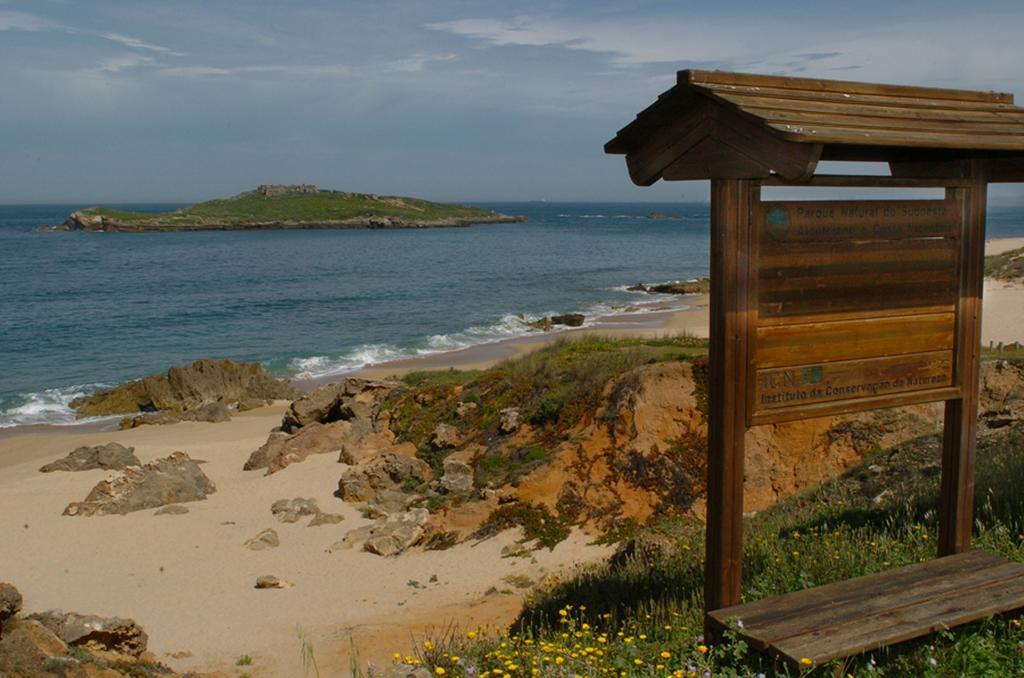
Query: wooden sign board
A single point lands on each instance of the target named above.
(854, 306)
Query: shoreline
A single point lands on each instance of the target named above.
(1003, 321)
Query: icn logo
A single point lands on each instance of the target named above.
(777, 223)
(812, 375)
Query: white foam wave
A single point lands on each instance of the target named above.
(508, 326)
(52, 406)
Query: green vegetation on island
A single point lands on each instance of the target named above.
(280, 207)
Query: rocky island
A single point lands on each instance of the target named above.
(284, 207)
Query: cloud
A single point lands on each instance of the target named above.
(135, 43)
(413, 64)
(30, 23)
(123, 63)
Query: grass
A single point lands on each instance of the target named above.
(1006, 266)
(322, 206)
(640, 614)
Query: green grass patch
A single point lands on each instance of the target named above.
(640, 614)
(1005, 266)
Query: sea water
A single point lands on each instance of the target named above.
(79, 311)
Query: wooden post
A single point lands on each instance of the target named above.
(727, 388)
(956, 499)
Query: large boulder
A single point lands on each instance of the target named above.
(290, 510)
(111, 457)
(10, 602)
(186, 388)
(265, 453)
(396, 533)
(388, 471)
(115, 634)
(445, 436)
(458, 476)
(171, 480)
(352, 399)
(316, 438)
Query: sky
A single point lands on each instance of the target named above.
(176, 101)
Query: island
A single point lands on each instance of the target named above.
(272, 207)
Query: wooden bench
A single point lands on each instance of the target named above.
(858, 615)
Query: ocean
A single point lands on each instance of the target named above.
(80, 311)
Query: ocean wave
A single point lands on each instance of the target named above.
(51, 406)
(508, 326)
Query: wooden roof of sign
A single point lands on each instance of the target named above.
(718, 125)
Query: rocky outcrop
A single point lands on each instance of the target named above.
(547, 324)
(445, 437)
(55, 644)
(115, 634)
(458, 476)
(367, 481)
(391, 535)
(701, 286)
(184, 389)
(267, 539)
(509, 420)
(111, 456)
(1001, 393)
(212, 413)
(170, 480)
(10, 602)
(291, 510)
(344, 418)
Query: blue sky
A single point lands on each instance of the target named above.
(106, 101)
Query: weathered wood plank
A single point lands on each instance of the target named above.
(906, 623)
(826, 409)
(856, 315)
(870, 119)
(808, 384)
(899, 110)
(713, 158)
(849, 299)
(956, 493)
(820, 133)
(713, 78)
(877, 597)
(808, 343)
(777, 609)
(739, 130)
(727, 362)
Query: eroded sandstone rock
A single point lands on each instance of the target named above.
(109, 633)
(111, 456)
(171, 480)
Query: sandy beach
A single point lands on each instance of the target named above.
(188, 579)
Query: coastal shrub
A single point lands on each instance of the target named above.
(641, 614)
(537, 521)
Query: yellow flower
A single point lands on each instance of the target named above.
(638, 661)
(806, 661)
(397, 656)
(703, 649)
(427, 645)
(471, 635)
(559, 660)
(440, 671)
(666, 654)
(563, 612)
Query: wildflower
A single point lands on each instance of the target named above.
(559, 660)
(666, 655)
(806, 661)
(471, 635)
(397, 656)
(440, 671)
(703, 649)
(932, 661)
(638, 661)
(427, 645)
